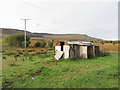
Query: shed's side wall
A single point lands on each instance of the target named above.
(83, 51)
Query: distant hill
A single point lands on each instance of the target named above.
(8, 31)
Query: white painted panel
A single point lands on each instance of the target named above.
(58, 55)
(57, 48)
(66, 49)
(83, 51)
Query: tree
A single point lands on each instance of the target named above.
(27, 44)
(50, 44)
(17, 40)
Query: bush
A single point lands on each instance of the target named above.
(27, 44)
(16, 39)
(42, 44)
(37, 44)
(50, 44)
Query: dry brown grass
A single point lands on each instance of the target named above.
(107, 46)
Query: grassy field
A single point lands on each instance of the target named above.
(43, 71)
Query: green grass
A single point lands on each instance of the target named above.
(43, 71)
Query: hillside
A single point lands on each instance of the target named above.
(8, 31)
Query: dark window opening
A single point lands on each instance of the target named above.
(61, 44)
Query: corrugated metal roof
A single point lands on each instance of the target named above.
(80, 43)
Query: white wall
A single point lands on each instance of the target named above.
(66, 49)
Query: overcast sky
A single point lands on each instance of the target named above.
(97, 18)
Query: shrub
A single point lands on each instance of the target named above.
(50, 44)
(27, 44)
(37, 44)
(42, 44)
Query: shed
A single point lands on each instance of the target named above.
(76, 49)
